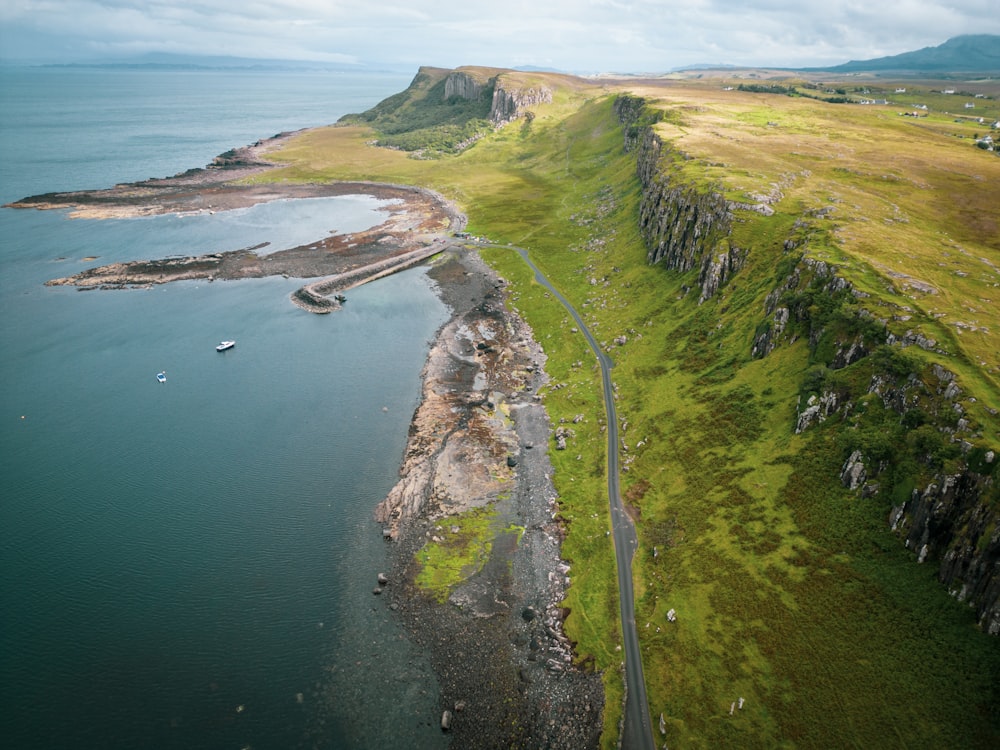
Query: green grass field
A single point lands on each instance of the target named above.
(790, 592)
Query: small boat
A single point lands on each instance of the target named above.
(225, 345)
(162, 377)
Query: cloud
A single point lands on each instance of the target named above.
(582, 35)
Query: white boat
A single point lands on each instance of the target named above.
(225, 345)
(162, 377)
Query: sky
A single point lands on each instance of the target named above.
(579, 36)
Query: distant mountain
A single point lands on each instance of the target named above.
(979, 53)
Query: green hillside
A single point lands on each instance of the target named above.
(802, 620)
(427, 118)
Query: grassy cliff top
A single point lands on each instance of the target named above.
(910, 201)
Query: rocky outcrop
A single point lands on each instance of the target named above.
(634, 117)
(511, 101)
(948, 521)
(246, 156)
(717, 269)
(769, 333)
(790, 302)
(462, 85)
(818, 408)
(462, 434)
(854, 474)
(683, 225)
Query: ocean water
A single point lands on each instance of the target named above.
(190, 564)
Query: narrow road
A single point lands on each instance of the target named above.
(637, 733)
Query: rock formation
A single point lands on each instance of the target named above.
(462, 85)
(511, 101)
(684, 226)
(948, 521)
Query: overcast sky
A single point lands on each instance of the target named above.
(580, 36)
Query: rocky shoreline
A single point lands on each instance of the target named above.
(479, 437)
(506, 671)
(419, 224)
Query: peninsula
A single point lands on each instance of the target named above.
(419, 224)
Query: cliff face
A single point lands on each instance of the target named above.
(683, 226)
(511, 101)
(462, 85)
(446, 111)
(909, 441)
(948, 522)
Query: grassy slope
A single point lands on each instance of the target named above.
(417, 120)
(914, 204)
(790, 592)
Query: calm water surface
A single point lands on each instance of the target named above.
(190, 564)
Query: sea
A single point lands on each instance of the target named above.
(191, 564)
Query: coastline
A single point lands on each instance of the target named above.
(419, 223)
(479, 437)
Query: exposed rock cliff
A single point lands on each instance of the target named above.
(446, 111)
(684, 226)
(510, 97)
(791, 301)
(909, 442)
(511, 101)
(947, 521)
(462, 85)
(904, 424)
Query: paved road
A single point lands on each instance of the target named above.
(637, 733)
